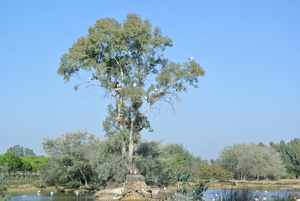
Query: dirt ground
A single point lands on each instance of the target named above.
(294, 183)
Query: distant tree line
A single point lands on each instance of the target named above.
(22, 159)
(81, 158)
(290, 155)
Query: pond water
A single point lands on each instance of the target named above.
(45, 195)
(259, 190)
(208, 195)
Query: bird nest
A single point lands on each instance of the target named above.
(137, 103)
(118, 90)
(157, 94)
(141, 117)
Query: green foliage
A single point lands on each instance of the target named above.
(14, 161)
(26, 165)
(111, 171)
(149, 163)
(126, 59)
(176, 158)
(72, 184)
(3, 190)
(214, 171)
(198, 191)
(290, 154)
(190, 191)
(20, 151)
(73, 157)
(251, 161)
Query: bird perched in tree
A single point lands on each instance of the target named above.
(190, 58)
(117, 85)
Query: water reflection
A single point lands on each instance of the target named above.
(47, 195)
(208, 195)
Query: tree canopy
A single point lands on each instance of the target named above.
(290, 154)
(251, 160)
(20, 150)
(72, 157)
(14, 161)
(126, 59)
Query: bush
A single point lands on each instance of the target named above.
(291, 176)
(72, 184)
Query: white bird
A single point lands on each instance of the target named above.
(90, 78)
(145, 97)
(155, 90)
(77, 193)
(134, 85)
(190, 58)
(38, 192)
(165, 188)
(216, 197)
(24, 196)
(135, 172)
(51, 193)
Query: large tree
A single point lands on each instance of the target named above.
(251, 160)
(73, 158)
(290, 154)
(126, 59)
(179, 161)
(13, 160)
(21, 151)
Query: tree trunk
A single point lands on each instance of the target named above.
(130, 146)
(85, 180)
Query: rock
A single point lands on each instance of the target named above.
(164, 195)
(134, 189)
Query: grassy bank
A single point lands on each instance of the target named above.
(294, 183)
(24, 184)
(19, 184)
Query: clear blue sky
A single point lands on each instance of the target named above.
(250, 51)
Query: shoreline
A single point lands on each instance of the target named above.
(288, 183)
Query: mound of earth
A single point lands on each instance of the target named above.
(134, 189)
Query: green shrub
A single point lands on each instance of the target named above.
(72, 184)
